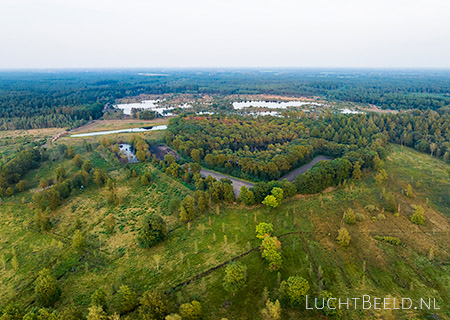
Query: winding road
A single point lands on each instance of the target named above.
(238, 183)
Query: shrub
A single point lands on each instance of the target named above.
(391, 240)
(343, 237)
(350, 217)
(418, 217)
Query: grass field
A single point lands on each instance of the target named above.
(190, 264)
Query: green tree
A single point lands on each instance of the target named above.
(270, 201)
(87, 166)
(418, 217)
(294, 290)
(187, 209)
(22, 185)
(274, 200)
(77, 161)
(330, 307)
(98, 298)
(343, 237)
(264, 229)
(247, 196)
(191, 311)
(152, 231)
(127, 299)
(46, 289)
(78, 241)
(154, 306)
(60, 173)
(195, 155)
(235, 277)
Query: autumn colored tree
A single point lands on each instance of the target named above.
(271, 251)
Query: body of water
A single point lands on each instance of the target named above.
(101, 133)
(272, 104)
(125, 148)
(152, 105)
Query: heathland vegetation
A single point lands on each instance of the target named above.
(87, 235)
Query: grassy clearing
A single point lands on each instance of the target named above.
(307, 228)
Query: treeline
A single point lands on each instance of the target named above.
(12, 172)
(38, 100)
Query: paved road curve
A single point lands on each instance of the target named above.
(238, 183)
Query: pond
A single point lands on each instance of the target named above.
(101, 133)
(125, 148)
(272, 104)
(152, 105)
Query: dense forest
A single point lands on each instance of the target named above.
(70, 98)
(265, 148)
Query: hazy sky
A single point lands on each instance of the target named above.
(227, 33)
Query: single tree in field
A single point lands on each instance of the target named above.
(343, 237)
(187, 209)
(153, 231)
(235, 277)
(46, 289)
(294, 289)
(272, 311)
(418, 217)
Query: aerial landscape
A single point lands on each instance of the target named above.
(193, 191)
